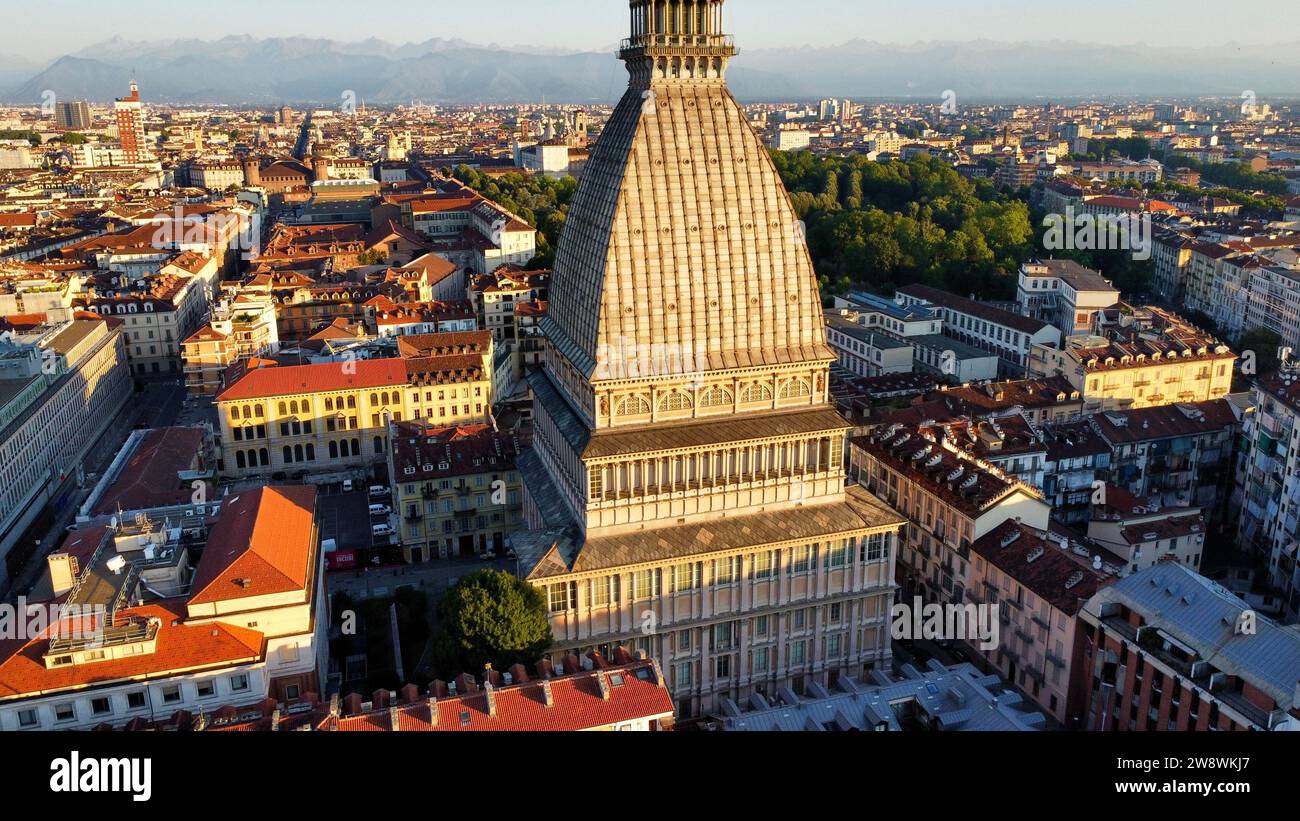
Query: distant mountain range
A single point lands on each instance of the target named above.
(246, 70)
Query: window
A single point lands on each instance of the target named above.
(28, 718)
(683, 675)
(724, 570)
(799, 619)
(206, 689)
(66, 711)
(837, 555)
(675, 401)
(798, 652)
(723, 667)
(101, 706)
(756, 392)
(802, 559)
(795, 388)
(171, 695)
(239, 682)
(643, 584)
(833, 646)
(760, 660)
(761, 626)
(559, 597)
(686, 577)
(135, 700)
(600, 592)
(683, 641)
(763, 564)
(292, 692)
(715, 396)
(632, 406)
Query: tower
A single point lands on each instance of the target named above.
(129, 113)
(686, 476)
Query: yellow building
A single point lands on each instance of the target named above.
(1140, 366)
(456, 489)
(334, 416)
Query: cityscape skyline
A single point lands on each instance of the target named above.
(62, 27)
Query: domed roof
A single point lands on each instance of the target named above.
(680, 242)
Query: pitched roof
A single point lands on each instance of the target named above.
(263, 543)
(179, 646)
(287, 380)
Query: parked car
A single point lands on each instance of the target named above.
(380, 531)
(380, 490)
(380, 510)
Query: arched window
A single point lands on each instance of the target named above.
(288, 454)
(311, 452)
(283, 409)
(297, 453)
(795, 388)
(756, 392)
(632, 406)
(239, 459)
(374, 399)
(334, 450)
(715, 396)
(379, 444)
(265, 456)
(293, 406)
(675, 401)
(329, 403)
(258, 410)
(352, 402)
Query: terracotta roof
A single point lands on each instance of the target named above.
(258, 383)
(179, 646)
(1047, 573)
(149, 478)
(263, 543)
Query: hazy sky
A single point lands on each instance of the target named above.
(49, 28)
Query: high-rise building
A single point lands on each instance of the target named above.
(685, 488)
(130, 126)
(73, 116)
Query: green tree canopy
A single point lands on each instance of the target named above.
(491, 616)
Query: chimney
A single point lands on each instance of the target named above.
(334, 705)
(548, 697)
(410, 694)
(603, 683)
(380, 699)
(621, 655)
(438, 688)
(545, 669)
(571, 664)
(275, 719)
(465, 684)
(392, 718)
(519, 673)
(433, 711)
(63, 572)
(491, 693)
(352, 704)
(597, 660)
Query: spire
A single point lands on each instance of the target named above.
(676, 40)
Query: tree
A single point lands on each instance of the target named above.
(491, 616)
(1258, 348)
(74, 138)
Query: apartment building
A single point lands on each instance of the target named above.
(1064, 293)
(1268, 484)
(456, 489)
(1139, 366)
(863, 351)
(1038, 585)
(60, 389)
(248, 621)
(496, 295)
(238, 330)
(1146, 171)
(1076, 455)
(1040, 401)
(1168, 649)
(1008, 335)
(950, 499)
(335, 416)
(1142, 533)
(1173, 455)
(157, 316)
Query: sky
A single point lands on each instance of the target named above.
(50, 28)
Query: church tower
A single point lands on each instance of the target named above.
(686, 489)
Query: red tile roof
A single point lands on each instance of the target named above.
(263, 543)
(178, 647)
(149, 478)
(260, 383)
